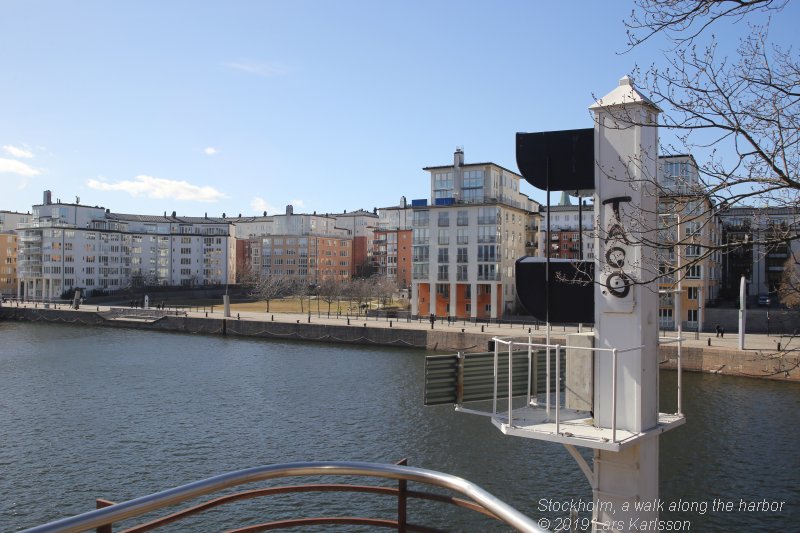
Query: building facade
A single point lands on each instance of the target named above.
(745, 230)
(465, 244)
(391, 249)
(68, 246)
(693, 264)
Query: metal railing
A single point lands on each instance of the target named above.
(553, 383)
(481, 501)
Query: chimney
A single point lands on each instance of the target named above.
(47, 198)
(289, 210)
(458, 157)
(403, 202)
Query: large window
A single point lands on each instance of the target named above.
(444, 255)
(421, 218)
(421, 254)
(473, 179)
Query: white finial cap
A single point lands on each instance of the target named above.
(624, 94)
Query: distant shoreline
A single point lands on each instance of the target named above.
(696, 357)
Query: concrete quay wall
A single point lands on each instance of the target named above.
(750, 363)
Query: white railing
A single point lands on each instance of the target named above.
(553, 384)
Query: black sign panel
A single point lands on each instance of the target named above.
(571, 289)
(570, 154)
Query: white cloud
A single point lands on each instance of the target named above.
(259, 68)
(210, 150)
(10, 166)
(160, 188)
(259, 205)
(13, 151)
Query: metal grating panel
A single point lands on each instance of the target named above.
(443, 385)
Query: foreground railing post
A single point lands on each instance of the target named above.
(402, 499)
(99, 504)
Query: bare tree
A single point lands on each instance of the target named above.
(330, 290)
(742, 111)
(267, 288)
(738, 112)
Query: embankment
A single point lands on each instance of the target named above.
(750, 363)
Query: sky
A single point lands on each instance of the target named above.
(241, 107)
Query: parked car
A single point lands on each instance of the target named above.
(764, 299)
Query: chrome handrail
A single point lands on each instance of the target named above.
(159, 500)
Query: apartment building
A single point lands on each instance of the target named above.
(67, 246)
(9, 222)
(566, 235)
(465, 243)
(762, 266)
(688, 218)
(360, 228)
(300, 248)
(391, 245)
(8, 264)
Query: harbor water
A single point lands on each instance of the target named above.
(91, 413)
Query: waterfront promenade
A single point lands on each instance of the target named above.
(764, 356)
(756, 343)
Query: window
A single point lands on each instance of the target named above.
(462, 255)
(420, 254)
(473, 179)
(461, 273)
(692, 293)
(444, 236)
(463, 218)
(444, 218)
(462, 236)
(443, 289)
(486, 253)
(694, 272)
(444, 255)
(691, 315)
(421, 218)
(443, 273)
(421, 236)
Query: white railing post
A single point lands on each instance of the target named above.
(494, 399)
(614, 395)
(510, 381)
(558, 385)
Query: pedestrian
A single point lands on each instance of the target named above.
(722, 332)
(717, 328)
(432, 319)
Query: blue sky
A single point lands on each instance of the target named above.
(240, 107)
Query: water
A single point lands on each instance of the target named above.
(112, 413)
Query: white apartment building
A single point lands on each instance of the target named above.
(10, 220)
(69, 246)
(465, 245)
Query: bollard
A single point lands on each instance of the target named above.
(298, 321)
(529, 330)
(709, 341)
(348, 321)
(481, 328)
(462, 330)
(365, 324)
(237, 316)
(309, 319)
(206, 314)
(779, 347)
(390, 323)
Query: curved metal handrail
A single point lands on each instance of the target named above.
(159, 500)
